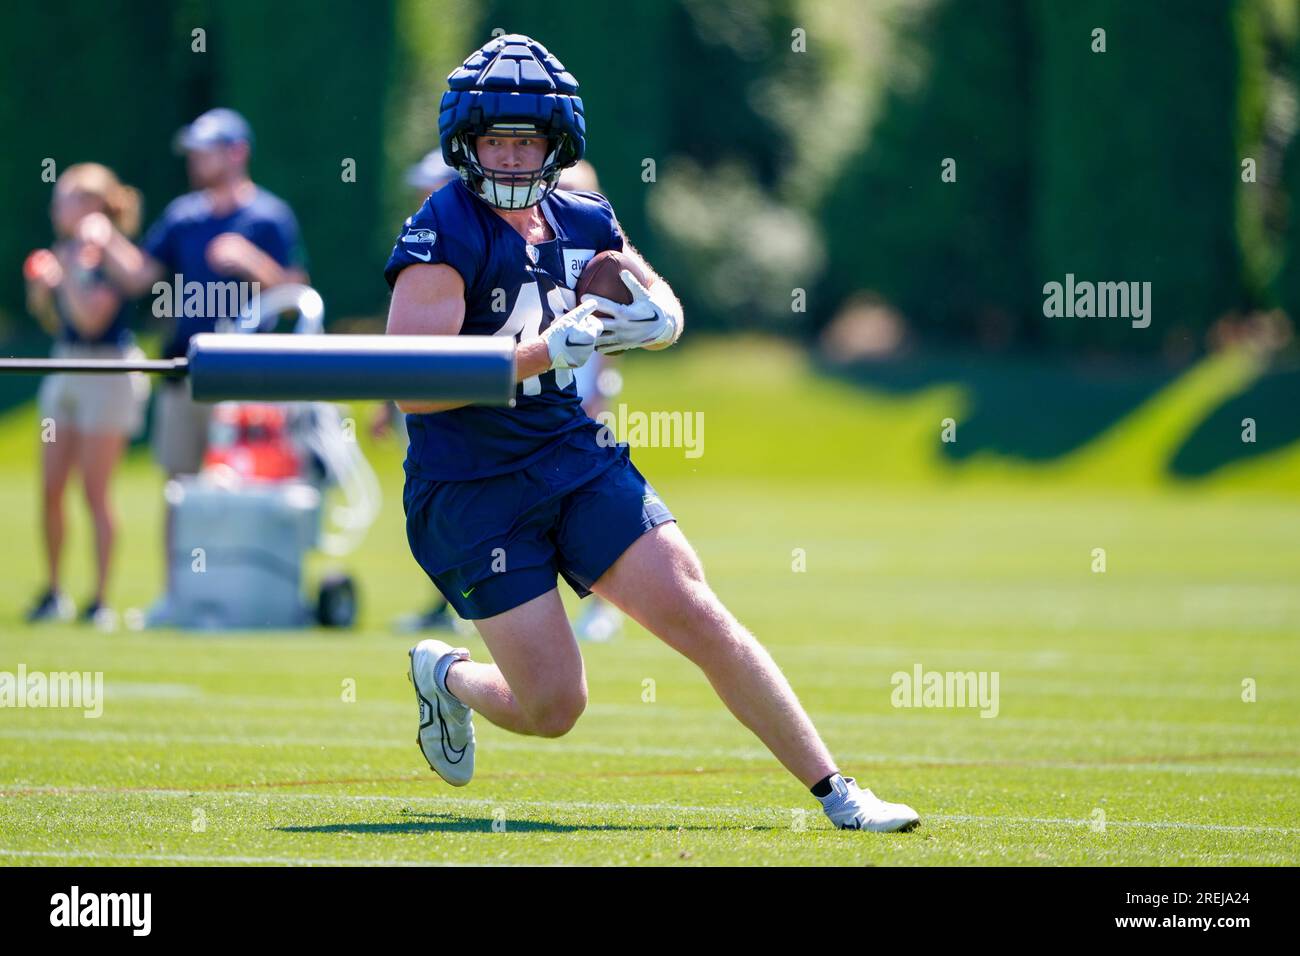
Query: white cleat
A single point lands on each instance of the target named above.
(446, 735)
(852, 808)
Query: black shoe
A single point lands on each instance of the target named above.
(52, 606)
(87, 616)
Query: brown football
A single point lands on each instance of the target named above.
(601, 277)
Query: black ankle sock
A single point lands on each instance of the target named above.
(822, 788)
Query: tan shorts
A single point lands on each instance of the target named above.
(96, 404)
(180, 428)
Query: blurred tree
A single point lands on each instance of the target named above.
(721, 53)
(79, 81)
(624, 59)
(732, 201)
(313, 87)
(1286, 283)
(692, 141)
(1135, 165)
(753, 148)
(951, 255)
(113, 81)
(430, 40)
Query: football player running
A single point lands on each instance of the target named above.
(501, 501)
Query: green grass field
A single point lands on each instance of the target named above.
(1120, 693)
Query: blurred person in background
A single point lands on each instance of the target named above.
(228, 228)
(87, 420)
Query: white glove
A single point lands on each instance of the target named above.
(571, 338)
(652, 318)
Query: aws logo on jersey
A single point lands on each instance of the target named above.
(575, 260)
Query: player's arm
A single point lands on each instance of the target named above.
(430, 300)
(659, 287)
(427, 300)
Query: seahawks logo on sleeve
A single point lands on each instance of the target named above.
(420, 237)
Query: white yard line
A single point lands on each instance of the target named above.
(608, 806)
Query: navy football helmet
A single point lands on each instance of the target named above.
(512, 86)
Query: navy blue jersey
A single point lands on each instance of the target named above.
(511, 288)
(180, 237)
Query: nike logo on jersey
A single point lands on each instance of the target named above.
(469, 592)
(423, 258)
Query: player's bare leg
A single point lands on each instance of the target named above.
(660, 583)
(536, 683)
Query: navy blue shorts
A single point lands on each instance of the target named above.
(491, 544)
